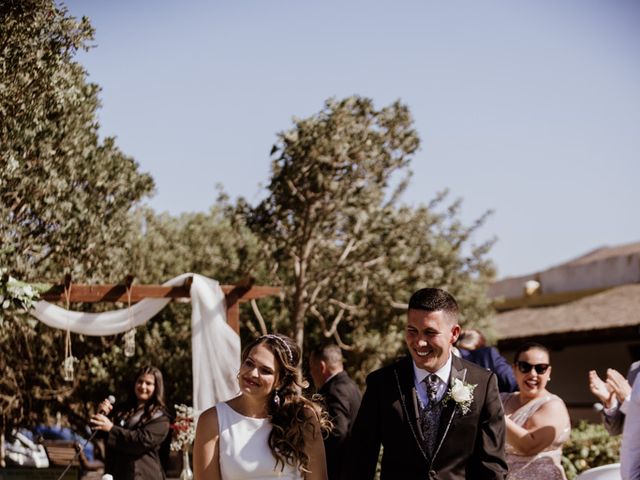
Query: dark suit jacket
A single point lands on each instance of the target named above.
(133, 453)
(490, 358)
(469, 446)
(342, 399)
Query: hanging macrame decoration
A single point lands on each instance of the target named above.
(130, 343)
(130, 335)
(69, 359)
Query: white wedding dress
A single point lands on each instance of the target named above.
(244, 448)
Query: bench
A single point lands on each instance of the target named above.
(63, 452)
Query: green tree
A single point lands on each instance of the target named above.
(64, 194)
(339, 241)
(162, 246)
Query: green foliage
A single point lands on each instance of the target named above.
(65, 198)
(15, 295)
(213, 244)
(64, 194)
(331, 232)
(347, 253)
(590, 446)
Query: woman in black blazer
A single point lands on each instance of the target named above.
(138, 430)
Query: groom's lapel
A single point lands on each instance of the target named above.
(449, 411)
(409, 399)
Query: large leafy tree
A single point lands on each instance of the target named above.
(64, 193)
(338, 239)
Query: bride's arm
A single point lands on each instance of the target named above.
(206, 451)
(543, 428)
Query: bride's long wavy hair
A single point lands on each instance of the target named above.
(289, 411)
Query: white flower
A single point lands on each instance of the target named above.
(15, 294)
(461, 393)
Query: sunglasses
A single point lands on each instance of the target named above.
(525, 367)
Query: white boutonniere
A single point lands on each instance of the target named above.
(461, 393)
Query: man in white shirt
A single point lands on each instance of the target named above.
(436, 415)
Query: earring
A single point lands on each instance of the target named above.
(276, 399)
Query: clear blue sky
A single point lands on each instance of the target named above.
(530, 108)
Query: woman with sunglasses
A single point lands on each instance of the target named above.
(537, 421)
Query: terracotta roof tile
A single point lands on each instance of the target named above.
(617, 307)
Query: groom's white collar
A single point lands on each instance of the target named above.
(444, 373)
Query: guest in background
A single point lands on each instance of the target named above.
(341, 397)
(621, 399)
(472, 347)
(612, 395)
(537, 421)
(139, 428)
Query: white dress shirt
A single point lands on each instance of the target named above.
(421, 388)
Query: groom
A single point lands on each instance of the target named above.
(436, 416)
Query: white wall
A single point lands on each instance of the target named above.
(604, 273)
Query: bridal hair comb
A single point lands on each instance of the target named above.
(282, 342)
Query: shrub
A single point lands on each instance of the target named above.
(590, 446)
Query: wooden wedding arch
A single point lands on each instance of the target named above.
(242, 291)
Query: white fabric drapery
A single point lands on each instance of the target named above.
(215, 346)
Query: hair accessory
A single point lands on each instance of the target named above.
(282, 342)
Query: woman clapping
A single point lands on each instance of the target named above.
(537, 421)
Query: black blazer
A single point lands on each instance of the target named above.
(469, 445)
(342, 399)
(133, 453)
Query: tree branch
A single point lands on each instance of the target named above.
(256, 312)
(340, 343)
(334, 324)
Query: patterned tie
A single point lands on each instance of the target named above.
(430, 415)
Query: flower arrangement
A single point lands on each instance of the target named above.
(15, 294)
(184, 428)
(461, 393)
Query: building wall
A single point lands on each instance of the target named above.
(603, 273)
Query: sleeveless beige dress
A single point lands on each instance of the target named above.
(546, 465)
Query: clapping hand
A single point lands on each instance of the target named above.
(618, 384)
(600, 389)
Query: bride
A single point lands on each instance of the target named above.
(270, 430)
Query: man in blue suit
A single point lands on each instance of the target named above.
(472, 347)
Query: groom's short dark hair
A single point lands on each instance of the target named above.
(433, 300)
